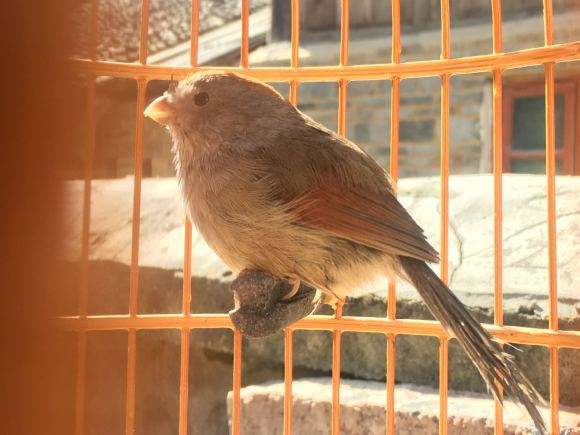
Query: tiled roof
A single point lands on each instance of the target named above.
(169, 24)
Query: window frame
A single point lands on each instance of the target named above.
(536, 88)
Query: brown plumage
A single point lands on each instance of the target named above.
(271, 189)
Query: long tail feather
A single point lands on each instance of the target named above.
(497, 368)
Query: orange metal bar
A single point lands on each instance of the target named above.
(237, 383)
(84, 273)
(551, 195)
(194, 37)
(134, 273)
(554, 390)
(336, 335)
(289, 333)
(551, 169)
(390, 422)
(288, 374)
(463, 65)
(445, 91)
(344, 31)
(498, 191)
(443, 383)
(245, 48)
(336, 352)
(510, 334)
(237, 364)
(130, 401)
(186, 296)
(394, 174)
(295, 32)
(184, 382)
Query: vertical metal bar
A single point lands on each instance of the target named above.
(134, 276)
(551, 195)
(194, 37)
(336, 352)
(288, 374)
(237, 383)
(288, 333)
(497, 110)
(184, 382)
(344, 31)
(394, 173)
(186, 295)
(443, 382)
(554, 389)
(445, 91)
(130, 400)
(336, 335)
(237, 369)
(245, 49)
(89, 140)
(144, 32)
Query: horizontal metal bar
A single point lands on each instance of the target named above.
(464, 65)
(511, 334)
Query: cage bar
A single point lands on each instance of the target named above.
(289, 333)
(497, 135)
(564, 52)
(511, 334)
(134, 272)
(443, 383)
(187, 248)
(444, 254)
(394, 174)
(237, 383)
(551, 199)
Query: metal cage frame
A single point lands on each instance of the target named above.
(496, 62)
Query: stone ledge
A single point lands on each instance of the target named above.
(362, 410)
(471, 239)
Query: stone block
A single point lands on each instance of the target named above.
(363, 410)
(416, 131)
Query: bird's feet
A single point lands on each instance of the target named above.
(265, 305)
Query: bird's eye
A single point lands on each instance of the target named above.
(201, 99)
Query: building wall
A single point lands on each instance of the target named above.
(368, 103)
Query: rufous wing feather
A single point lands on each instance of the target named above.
(381, 223)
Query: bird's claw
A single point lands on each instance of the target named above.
(261, 306)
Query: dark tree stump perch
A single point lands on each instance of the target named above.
(259, 308)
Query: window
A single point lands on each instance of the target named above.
(525, 128)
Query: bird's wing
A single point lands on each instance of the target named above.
(327, 182)
(381, 223)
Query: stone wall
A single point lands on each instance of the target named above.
(368, 102)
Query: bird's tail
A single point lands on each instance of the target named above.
(497, 367)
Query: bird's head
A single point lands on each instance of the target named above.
(207, 109)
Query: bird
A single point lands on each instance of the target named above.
(271, 189)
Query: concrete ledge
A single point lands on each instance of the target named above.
(362, 410)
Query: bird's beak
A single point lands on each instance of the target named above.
(160, 110)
